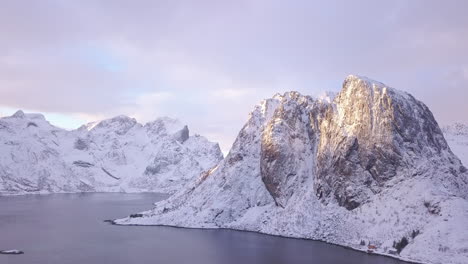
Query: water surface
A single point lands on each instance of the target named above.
(69, 228)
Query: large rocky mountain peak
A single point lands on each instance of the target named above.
(368, 164)
(350, 147)
(371, 135)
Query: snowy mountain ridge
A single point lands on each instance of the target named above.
(113, 155)
(457, 129)
(369, 166)
(457, 137)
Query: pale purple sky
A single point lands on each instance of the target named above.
(208, 62)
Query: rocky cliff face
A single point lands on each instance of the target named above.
(354, 146)
(370, 135)
(117, 154)
(370, 164)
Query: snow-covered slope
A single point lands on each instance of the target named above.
(115, 155)
(457, 138)
(369, 166)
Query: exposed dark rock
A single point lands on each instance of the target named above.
(109, 174)
(136, 215)
(31, 124)
(81, 144)
(152, 170)
(83, 164)
(158, 166)
(463, 169)
(400, 245)
(182, 135)
(85, 187)
(414, 234)
(433, 208)
(234, 158)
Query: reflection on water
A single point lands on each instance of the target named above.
(69, 228)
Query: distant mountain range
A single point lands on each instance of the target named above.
(368, 168)
(113, 155)
(457, 138)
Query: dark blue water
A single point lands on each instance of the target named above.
(69, 228)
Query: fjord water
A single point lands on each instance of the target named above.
(69, 228)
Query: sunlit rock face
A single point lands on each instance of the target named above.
(288, 145)
(350, 147)
(370, 134)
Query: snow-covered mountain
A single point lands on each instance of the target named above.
(457, 137)
(114, 155)
(369, 168)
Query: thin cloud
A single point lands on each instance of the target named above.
(208, 62)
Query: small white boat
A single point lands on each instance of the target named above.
(11, 252)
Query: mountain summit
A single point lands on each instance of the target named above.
(369, 166)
